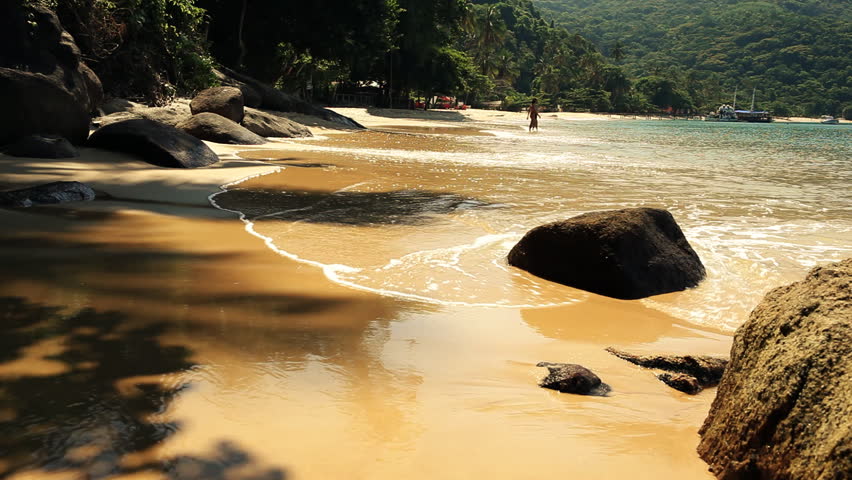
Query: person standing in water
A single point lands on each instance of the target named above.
(533, 115)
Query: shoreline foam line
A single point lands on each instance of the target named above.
(330, 271)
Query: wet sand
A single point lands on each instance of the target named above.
(153, 337)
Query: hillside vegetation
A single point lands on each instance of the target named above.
(795, 52)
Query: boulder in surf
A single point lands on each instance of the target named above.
(626, 254)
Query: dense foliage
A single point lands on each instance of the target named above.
(794, 52)
(473, 49)
(603, 55)
(145, 49)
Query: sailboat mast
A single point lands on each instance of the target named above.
(735, 97)
(752, 98)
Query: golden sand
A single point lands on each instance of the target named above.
(301, 375)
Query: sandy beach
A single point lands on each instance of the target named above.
(259, 363)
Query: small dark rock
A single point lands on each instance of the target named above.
(681, 381)
(572, 378)
(154, 142)
(225, 101)
(627, 254)
(215, 128)
(706, 370)
(42, 146)
(56, 192)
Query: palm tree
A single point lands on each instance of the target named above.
(618, 51)
(489, 34)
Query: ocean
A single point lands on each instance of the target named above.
(430, 215)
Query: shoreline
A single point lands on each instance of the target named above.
(274, 341)
(371, 117)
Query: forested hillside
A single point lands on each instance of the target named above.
(477, 50)
(795, 52)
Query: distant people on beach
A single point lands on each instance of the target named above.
(533, 114)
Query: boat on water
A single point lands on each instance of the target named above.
(729, 113)
(725, 113)
(752, 115)
(828, 120)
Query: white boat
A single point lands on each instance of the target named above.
(828, 120)
(725, 113)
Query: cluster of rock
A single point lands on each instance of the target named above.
(688, 373)
(52, 96)
(783, 409)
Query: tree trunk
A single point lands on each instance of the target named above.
(240, 34)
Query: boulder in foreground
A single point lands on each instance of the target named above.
(627, 254)
(56, 192)
(154, 142)
(784, 406)
(225, 101)
(215, 128)
(572, 378)
(42, 146)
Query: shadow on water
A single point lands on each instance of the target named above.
(90, 409)
(405, 207)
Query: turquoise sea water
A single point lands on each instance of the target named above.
(761, 204)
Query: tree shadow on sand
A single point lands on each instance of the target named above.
(442, 115)
(404, 207)
(77, 393)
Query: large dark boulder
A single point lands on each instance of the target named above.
(42, 146)
(33, 41)
(56, 192)
(154, 142)
(783, 410)
(216, 128)
(225, 101)
(572, 378)
(34, 104)
(251, 97)
(272, 124)
(628, 254)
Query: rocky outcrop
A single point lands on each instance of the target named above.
(216, 128)
(121, 110)
(33, 104)
(690, 373)
(44, 85)
(251, 97)
(274, 99)
(56, 192)
(154, 142)
(784, 406)
(273, 124)
(572, 378)
(42, 146)
(627, 254)
(224, 101)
